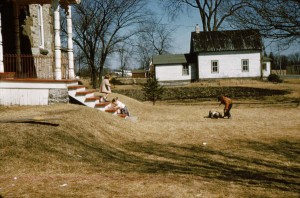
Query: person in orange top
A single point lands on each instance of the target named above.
(228, 104)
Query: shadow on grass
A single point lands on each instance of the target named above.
(40, 123)
(278, 170)
(215, 164)
(266, 165)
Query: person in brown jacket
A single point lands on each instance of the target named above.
(228, 105)
(105, 87)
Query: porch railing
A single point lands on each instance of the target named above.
(34, 66)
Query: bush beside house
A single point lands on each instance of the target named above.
(274, 78)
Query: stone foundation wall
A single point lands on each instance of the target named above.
(58, 96)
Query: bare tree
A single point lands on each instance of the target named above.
(276, 19)
(294, 59)
(100, 25)
(124, 52)
(213, 13)
(143, 54)
(153, 38)
(158, 37)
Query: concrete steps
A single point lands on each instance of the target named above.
(88, 98)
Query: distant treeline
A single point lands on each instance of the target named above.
(279, 62)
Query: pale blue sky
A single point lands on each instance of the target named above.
(185, 24)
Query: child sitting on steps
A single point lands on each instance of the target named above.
(121, 107)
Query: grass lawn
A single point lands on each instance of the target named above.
(170, 150)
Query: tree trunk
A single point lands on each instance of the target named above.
(101, 71)
(94, 77)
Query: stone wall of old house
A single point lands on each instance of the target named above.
(30, 38)
(58, 96)
(47, 27)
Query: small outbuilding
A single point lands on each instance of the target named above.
(175, 68)
(139, 73)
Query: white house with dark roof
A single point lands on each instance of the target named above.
(215, 55)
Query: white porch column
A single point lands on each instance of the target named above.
(57, 44)
(70, 44)
(1, 47)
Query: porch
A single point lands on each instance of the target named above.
(30, 43)
(34, 68)
(33, 91)
(25, 66)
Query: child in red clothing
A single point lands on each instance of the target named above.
(228, 105)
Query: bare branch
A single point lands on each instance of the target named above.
(276, 19)
(100, 25)
(212, 13)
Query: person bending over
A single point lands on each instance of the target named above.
(228, 105)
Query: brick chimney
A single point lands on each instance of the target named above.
(197, 28)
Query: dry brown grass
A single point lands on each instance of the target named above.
(170, 151)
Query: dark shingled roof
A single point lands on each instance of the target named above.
(230, 40)
(173, 59)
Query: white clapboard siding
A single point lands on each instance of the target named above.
(29, 92)
(171, 72)
(24, 96)
(267, 70)
(230, 65)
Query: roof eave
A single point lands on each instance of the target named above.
(46, 1)
(228, 51)
(71, 1)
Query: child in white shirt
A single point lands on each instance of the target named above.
(121, 107)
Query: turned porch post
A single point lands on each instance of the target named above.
(57, 44)
(70, 44)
